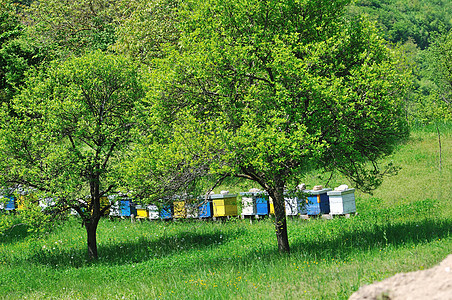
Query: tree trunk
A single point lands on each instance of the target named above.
(91, 228)
(93, 221)
(439, 142)
(280, 220)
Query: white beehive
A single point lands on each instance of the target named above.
(248, 204)
(115, 211)
(291, 206)
(153, 212)
(192, 210)
(342, 202)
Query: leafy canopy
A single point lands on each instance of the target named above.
(268, 90)
(73, 124)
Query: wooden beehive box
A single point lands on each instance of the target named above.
(192, 210)
(21, 202)
(104, 202)
(205, 209)
(180, 210)
(291, 206)
(262, 204)
(342, 202)
(7, 204)
(166, 212)
(318, 202)
(115, 210)
(142, 212)
(248, 204)
(153, 211)
(272, 206)
(127, 208)
(224, 205)
(302, 206)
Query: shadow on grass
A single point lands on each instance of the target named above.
(15, 233)
(379, 237)
(139, 250)
(339, 246)
(342, 245)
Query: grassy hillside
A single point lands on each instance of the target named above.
(405, 226)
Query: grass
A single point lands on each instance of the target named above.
(404, 226)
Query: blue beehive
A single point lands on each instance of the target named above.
(127, 208)
(10, 204)
(206, 209)
(165, 212)
(302, 206)
(262, 205)
(318, 202)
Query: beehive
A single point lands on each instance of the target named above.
(179, 209)
(9, 205)
(291, 206)
(153, 211)
(262, 204)
(224, 205)
(115, 210)
(192, 210)
(342, 202)
(317, 202)
(166, 212)
(205, 209)
(248, 204)
(272, 206)
(127, 208)
(103, 201)
(21, 202)
(142, 212)
(302, 207)
(43, 203)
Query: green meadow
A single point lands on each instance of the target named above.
(404, 226)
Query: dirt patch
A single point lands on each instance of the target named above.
(434, 283)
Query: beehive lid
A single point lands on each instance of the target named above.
(340, 193)
(319, 192)
(221, 196)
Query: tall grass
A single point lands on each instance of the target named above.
(404, 226)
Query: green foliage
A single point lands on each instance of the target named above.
(414, 25)
(402, 21)
(440, 62)
(63, 28)
(145, 28)
(16, 53)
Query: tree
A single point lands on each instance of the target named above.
(268, 90)
(72, 126)
(436, 107)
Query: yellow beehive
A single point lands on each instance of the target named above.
(224, 205)
(142, 212)
(179, 209)
(21, 202)
(272, 207)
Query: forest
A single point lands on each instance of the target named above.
(171, 97)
